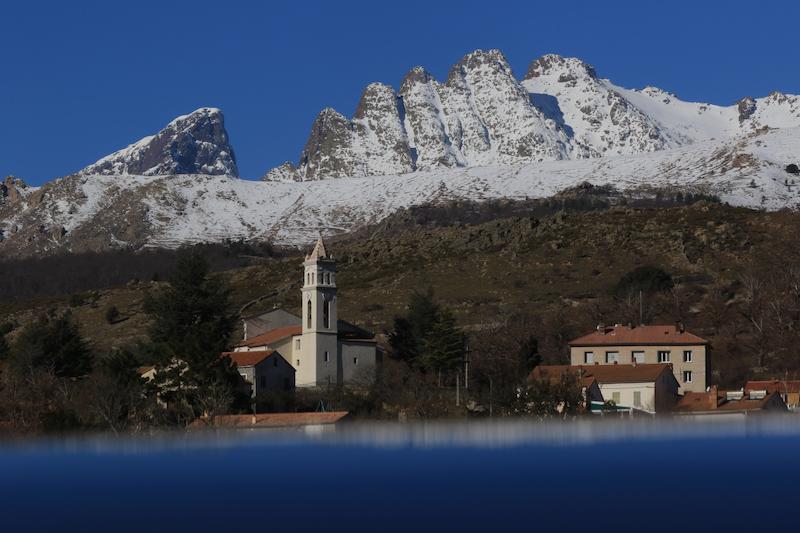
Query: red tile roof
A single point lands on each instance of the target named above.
(248, 358)
(637, 335)
(273, 335)
(774, 385)
(638, 373)
(269, 420)
(715, 400)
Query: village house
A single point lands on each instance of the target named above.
(650, 388)
(789, 390)
(689, 355)
(263, 370)
(590, 388)
(729, 404)
(322, 349)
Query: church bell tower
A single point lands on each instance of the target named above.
(318, 360)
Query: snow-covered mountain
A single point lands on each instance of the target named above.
(482, 115)
(196, 143)
(98, 212)
(480, 134)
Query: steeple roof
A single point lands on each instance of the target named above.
(319, 251)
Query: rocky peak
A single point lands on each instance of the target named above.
(746, 107)
(415, 75)
(567, 69)
(285, 172)
(328, 150)
(196, 143)
(480, 61)
(12, 189)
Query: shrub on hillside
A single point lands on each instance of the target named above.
(648, 279)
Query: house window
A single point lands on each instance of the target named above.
(355, 360)
(637, 398)
(298, 362)
(588, 358)
(326, 314)
(244, 377)
(274, 361)
(327, 278)
(263, 381)
(326, 357)
(309, 314)
(615, 398)
(612, 357)
(687, 376)
(687, 356)
(637, 357)
(663, 356)
(297, 344)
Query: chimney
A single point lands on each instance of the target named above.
(679, 326)
(600, 327)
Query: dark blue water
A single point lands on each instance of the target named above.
(658, 483)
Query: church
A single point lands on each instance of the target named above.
(322, 349)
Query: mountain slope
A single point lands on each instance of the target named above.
(191, 144)
(98, 212)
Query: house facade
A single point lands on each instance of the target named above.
(689, 355)
(322, 349)
(651, 388)
(264, 370)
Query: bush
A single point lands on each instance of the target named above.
(648, 279)
(6, 328)
(792, 169)
(112, 314)
(76, 300)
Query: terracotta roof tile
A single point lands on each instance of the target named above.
(273, 335)
(639, 373)
(269, 420)
(637, 335)
(774, 385)
(248, 358)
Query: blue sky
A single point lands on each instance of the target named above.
(82, 79)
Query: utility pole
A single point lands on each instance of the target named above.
(641, 309)
(491, 410)
(466, 367)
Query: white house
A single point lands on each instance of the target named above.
(322, 349)
(264, 370)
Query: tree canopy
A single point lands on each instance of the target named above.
(427, 336)
(53, 342)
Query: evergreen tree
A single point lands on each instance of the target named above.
(191, 327)
(443, 345)
(54, 343)
(428, 336)
(191, 318)
(410, 331)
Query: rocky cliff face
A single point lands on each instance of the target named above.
(191, 144)
(481, 115)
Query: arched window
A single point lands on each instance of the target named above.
(309, 314)
(326, 314)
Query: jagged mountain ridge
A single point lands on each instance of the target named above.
(482, 115)
(196, 143)
(479, 135)
(99, 212)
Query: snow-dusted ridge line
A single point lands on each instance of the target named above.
(170, 211)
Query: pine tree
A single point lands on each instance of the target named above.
(443, 345)
(191, 326)
(54, 343)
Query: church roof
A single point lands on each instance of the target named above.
(319, 251)
(273, 335)
(249, 358)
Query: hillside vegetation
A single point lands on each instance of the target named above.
(555, 275)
